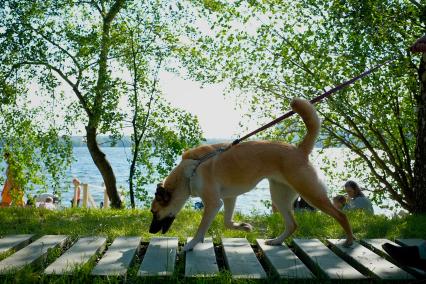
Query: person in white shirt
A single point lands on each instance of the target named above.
(48, 204)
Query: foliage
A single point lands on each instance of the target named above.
(160, 131)
(104, 53)
(39, 156)
(271, 51)
(67, 44)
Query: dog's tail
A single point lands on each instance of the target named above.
(310, 117)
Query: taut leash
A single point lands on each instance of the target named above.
(315, 100)
(290, 113)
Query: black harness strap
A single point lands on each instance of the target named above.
(208, 156)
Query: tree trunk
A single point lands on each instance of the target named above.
(132, 175)
(419, 182)
(104, 167)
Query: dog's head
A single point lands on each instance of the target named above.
(160, 220)
(170, 197)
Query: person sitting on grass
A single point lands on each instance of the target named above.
(339, 201)
(357, 200)
(414, 256)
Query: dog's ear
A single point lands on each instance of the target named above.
(162, 195)
(189, 167)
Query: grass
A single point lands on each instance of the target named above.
(114, 223)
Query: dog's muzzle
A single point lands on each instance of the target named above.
(164, 225)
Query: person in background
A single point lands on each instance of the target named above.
(408, 255)
(76, 183)
(300, 204)
(357, 200)
(198, 205)
(12, 194)
(48, 204)
(339, 201)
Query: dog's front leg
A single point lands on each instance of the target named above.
(210, 211)
(229, 205)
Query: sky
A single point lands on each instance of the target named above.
(217, 114)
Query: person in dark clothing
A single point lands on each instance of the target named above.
(414, 256)
(301, 204)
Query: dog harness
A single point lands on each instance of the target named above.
(201, 160)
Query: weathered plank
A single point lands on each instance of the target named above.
(241, 260)
(201, 261)
(323, 259)
(31, 253)
(160, 257)
(76, 256)
(118, 258)
(14, 242)
(370, 261)
(376, 245)
(409, 242)
(285, 263)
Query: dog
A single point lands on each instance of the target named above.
(221, 178)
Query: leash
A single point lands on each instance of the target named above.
(316, 100)
(290, 113)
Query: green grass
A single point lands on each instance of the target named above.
(114, 223)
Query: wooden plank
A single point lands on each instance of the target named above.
(370, 261)
(201, 261)
(32, 253)
(285, 263)
(14, 242)
(76, 256)
(376, 245)
(409, 242)
(325, 261)
(160, 257)
(241, 260)
(118, 258)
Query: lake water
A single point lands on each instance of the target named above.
(84, 169)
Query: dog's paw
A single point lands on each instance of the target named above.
(273, 242)
(245, 227)
(188, 247)
(348, 243)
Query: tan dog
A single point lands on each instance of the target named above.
(238, 170)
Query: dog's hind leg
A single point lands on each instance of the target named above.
(325, 205)
(283, 197)
(314, 192)
(229, 205)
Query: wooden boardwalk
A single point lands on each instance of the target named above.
(14, 242)
(201, 261)
(303, 259)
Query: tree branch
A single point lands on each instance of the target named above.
(62, 75)
(77, 64)
(398, 197)
(415, 3)
(118, 4)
